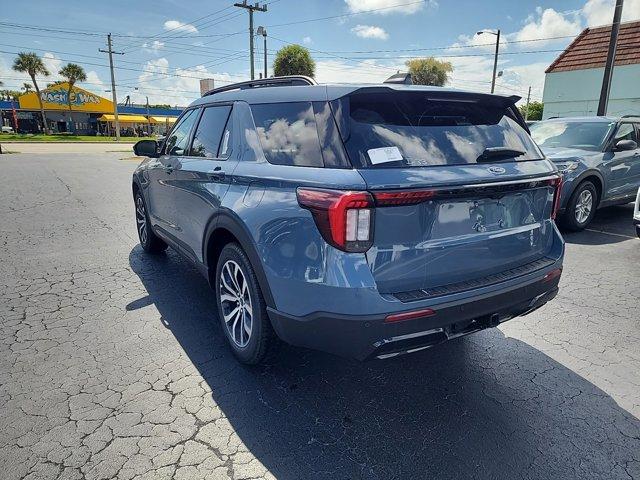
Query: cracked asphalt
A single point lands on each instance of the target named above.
(112, 364)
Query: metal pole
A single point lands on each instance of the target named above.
(495, 63)
(113, 84)
(611, 55)
(148, 120)
(251, 9)
(265, 53)
(526, 111)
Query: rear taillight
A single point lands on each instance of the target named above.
(398, 198)
(557, 184)
(344, 218)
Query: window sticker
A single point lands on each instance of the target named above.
(384, 155)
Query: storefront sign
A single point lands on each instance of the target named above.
(55, 98)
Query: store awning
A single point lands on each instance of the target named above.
(162, 119)
(108, 117)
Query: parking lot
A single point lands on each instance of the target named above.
(112, 363)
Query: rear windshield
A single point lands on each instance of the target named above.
(400, 129)
(571, 134)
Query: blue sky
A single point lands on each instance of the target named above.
(170, 44)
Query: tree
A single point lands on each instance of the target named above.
(31, 63)
(73, 73)
(26, 87)
(294, 60)
(535, 110)
(429, 71)
(9, 95)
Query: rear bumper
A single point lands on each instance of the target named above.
(368, 336)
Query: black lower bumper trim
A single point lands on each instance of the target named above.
(367, 336)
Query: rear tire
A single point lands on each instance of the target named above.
(581, 207)
(241, 307)
(149, 242)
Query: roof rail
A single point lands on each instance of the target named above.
(290, 80)
(631, 116)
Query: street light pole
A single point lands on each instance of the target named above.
(611, 55)
(495, 58)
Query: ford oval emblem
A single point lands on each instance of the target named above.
(497, 170)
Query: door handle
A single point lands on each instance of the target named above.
(216, 176)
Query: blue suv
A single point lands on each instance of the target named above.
(366, 221)
(599, 158)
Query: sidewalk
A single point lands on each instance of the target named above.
(71, 147)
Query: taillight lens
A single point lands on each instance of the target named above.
(404, 197)
(344, 218)
(557, 183)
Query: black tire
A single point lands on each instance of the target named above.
(571, 219)
(149, 241)
(261, 338)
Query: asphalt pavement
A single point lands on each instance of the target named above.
(113, 365)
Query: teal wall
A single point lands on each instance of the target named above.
(576, 92)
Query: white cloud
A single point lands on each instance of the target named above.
(178, 26)
(548, 23)
(153, 47)
(366, 71)
(175, 86)
(485, 42)
(600, 12)
(307, 40)
(385, 7)
(370, 31)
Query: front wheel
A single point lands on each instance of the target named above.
(581, 207)
(241, 307)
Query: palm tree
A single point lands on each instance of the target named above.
(31, 63)
(73, 73)
(26, 87)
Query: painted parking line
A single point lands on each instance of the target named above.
(608, 233)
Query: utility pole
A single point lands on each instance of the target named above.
(113, 84)
(252, 8)
(263, 31)
(526, 111)
(611, 55)
(148, 120)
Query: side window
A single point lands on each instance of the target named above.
(288, 133)
(213, 135)
(625, 132)
(177, 141)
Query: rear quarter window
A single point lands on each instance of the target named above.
(288, 133)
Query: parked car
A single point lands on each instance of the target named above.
(599, 158)
(366, 221)
(7, 129)
(636, 214)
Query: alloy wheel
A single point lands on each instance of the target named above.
(235, 299)
(141, 219)
(584, 205)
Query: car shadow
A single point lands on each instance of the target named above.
(484, 406)
(610, 225)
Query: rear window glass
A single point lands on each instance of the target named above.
(571, 134)
(400, 129)
(288, 133)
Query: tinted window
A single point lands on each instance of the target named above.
(288, 133)
(209, 134)
(571, 134)
(177, 141)
(625, 132)
(395, 129)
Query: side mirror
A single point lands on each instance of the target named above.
(625, 145)
(146, 148)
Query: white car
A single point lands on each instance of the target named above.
(636, 214)
(7, 129)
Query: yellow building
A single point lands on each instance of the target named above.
(89, 114)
